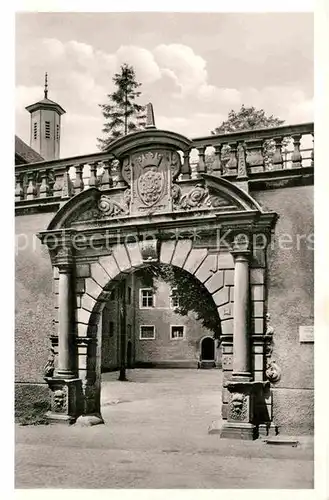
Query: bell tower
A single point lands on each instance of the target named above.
(45, 127)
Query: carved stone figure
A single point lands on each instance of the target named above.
(50, 365)
(59, 400)
(273, 372)
(238, 409)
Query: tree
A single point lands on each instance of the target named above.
(247, 118)
(122, 113)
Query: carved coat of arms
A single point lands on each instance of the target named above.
(150, 186)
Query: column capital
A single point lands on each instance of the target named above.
(241, 255)
(64, 259)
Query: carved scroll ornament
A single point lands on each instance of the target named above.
(197, 197)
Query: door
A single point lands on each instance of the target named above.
(208, 349)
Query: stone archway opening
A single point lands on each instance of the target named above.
(131, 329)
(90, 243)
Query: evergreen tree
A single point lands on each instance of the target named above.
(122, 113)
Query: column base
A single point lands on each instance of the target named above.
(66, 399)
(268, 430)
(89, 420)
(239, 430)
(57, 418)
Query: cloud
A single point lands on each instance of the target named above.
(174, 77)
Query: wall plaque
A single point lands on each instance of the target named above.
(306, 333)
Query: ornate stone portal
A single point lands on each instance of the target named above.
(133, 224)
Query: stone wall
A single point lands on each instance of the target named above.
(290, 304)
(34, 310)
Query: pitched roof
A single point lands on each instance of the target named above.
(24, 153)
(46, 104)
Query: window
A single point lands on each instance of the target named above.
(57, 132)
(35, 130)
(129, 331)
(177, 332)
(129, 295)
(146, 298)
(112, 296)
(174, 299)
(111, 328)
(47, 133)
(147, 332)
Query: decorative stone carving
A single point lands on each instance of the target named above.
(112, 208)
(50, 365)
(242, 168)
(175, 164)
(59, 401)
(268, 337)
(150, 250)
(150, 187)
(150, 181)
(126, 170)
(273, 371)
(197, 197)
(238, 406)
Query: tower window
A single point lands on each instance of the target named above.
(57, 132)
(47, 132)
(35, 130)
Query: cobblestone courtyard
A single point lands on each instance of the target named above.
(155, 436)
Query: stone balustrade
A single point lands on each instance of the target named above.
(238, 155)
(243, 154)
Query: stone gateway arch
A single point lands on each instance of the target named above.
(160, 211)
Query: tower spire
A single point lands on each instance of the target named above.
(46, 85)
(149, 116)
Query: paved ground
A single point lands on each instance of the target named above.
(155, 436)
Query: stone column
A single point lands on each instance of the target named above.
(66, 360)
(65, 385)
(241, 357)
(241, 388)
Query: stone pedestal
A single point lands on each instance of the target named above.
(66, 399)
(239, 424)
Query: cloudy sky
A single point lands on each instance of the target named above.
(194, 68)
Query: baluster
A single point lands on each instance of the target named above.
(118, 180)
(202, 165)
(296, 156)
(19, 192)
(67, 188)
(242, 166)
(106, 181)
(186, 168)
(277, 159)
(233, 162)
(255, 158)
(78, 183)
(217, 165)
(44, 187)
(93, 178)
(312, 153)
(31, 191)
(59, 178)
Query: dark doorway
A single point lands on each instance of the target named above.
(208, 349)
(129, 355)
